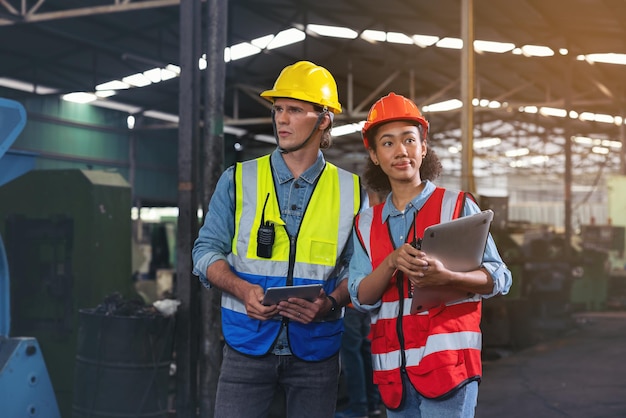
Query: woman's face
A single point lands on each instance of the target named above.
(399, 151)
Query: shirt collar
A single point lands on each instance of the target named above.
(415, 204)
(283, 175)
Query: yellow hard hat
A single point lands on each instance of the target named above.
(307, 82)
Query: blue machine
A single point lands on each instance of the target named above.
(25, 387)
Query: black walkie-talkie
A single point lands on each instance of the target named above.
(415, 243)
(265, 235)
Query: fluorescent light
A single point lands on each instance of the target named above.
(202, 63)
(604, 118)
(539, 159)
(490, 46)
(610, 58)
(424, 40)
(374, 35)
(172, 68)
(80, 97)
(238, 132)
(599, 150)
(112, 85)
(487, 142)
(333, 31)
(583, 140)
(103, 94)
(263, 41)
(586, 116)
(552, 111)
(137, 80)
(287, 37)
(154, 75)
(452, 43)
(443, 106)
(346, 129)
(537, 51)
(15, 84)
(399, 38)
(243, 50)
(517, 152)
(529, 109)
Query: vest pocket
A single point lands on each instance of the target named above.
(323, 252)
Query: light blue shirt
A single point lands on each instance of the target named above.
(214, 240)
(399, 223)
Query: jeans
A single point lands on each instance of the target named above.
(356, 357)
(247, 385)
(461, 404)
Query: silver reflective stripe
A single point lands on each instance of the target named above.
(436, 343)
(249, 194)
(232, 303)
(260, 267)
(448, 204)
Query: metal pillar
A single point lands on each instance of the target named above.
(211, 347)
(467, 95)
(187, 286)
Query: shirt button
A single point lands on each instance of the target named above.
(294, 207)
(280, 346)
(401, 237)
(297, 186)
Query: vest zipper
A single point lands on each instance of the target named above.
(292, 262)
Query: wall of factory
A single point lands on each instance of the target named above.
(69, 135)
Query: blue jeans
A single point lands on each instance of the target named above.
(356, 357)
(462, 404)
(247, 385)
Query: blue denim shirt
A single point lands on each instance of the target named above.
(399, 223)
(215, 237)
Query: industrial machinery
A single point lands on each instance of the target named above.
(25, 386)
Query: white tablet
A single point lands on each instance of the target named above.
(273, 295)
(460, 245)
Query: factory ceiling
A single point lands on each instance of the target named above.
(530, 103)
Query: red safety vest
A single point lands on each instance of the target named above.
(439, 349)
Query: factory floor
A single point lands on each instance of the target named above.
(575, 372)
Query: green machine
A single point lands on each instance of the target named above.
(67, 235)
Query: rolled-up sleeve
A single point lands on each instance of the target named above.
(215, 237)
(360, 267)
(492, 262)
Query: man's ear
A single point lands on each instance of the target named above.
(325, 122)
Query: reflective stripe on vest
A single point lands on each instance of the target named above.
(439, 349)
(320, 242)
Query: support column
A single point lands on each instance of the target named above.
(187, 285)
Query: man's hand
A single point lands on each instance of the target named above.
(253, 300)
(302, 310)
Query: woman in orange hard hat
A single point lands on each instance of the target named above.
(426, 364)
(283, 219)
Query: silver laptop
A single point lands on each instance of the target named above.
(459, 244)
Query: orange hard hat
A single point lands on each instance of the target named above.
(393, 107)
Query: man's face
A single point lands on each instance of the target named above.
(295, 120)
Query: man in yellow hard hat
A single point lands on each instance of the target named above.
(282, 220)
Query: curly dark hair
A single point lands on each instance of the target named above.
(376, 180)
